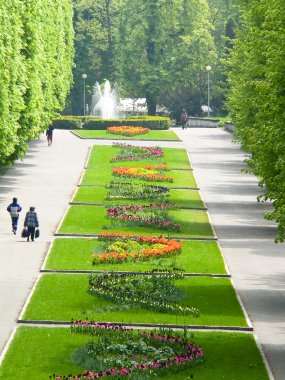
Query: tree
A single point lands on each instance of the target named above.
(163, 45)
(257, 98)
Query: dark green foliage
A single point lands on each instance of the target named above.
(66, 123)
(257, 98)
(149, 122)
(36, 44)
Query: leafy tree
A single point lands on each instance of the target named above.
(164, 44)
(257, 98)
(35, 71)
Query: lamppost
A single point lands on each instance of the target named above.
(208, 69)
(84, 76)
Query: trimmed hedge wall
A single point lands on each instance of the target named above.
(67, 123)
(151, 122)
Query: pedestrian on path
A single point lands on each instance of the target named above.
(31, 222)
(14, 209)
(49, 134)
(184, 119)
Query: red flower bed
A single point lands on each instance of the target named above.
(128, 130)
(158, 247)
(132, 154)
(146, 172)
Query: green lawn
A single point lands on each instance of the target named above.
(91, 220)
(36, 353)
(181, 198)
(101, 155)
(151, 135)
(76, 254)
(61, 297)
(102, 176)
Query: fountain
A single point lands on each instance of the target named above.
(105, 103)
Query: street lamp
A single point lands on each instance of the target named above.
(84, 76)
(208, 69)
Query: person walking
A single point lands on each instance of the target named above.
(49, 134)
(14, 209)
(31, 222)
(184, 119)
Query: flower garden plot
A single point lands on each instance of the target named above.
(76, 254)
(127, 130)
(103, 176)
(36, 353)
(61, 297)
(101, 156)
(100, 195)
(92, 220)
(103, 134)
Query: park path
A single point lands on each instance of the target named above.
(47, 178)
(256, 263)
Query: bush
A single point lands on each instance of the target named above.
(151, 122)
(67, 123)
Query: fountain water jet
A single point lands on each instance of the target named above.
(105, 103)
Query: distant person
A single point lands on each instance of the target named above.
(49, 134)
(14, 209)
(184, 118)
(31, 222)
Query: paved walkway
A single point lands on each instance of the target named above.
(47, 178)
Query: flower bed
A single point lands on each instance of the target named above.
(122, 247)
(128, 130)
(132, 153)
(148, 215)
(146, 172)
(155, 291)
(129, 190)
(120, 351)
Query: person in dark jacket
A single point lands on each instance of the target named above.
(184, 119)
(31, 222)
(14, 209)
(49, 133)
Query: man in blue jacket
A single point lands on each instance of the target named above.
(14, 209)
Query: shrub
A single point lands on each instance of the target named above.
(67, 123)
(151, 122)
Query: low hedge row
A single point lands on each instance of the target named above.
(151, 122)
(76, 122)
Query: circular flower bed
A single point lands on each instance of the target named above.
(128, 130)
(122, 247)
(121, 351)
(146, 172)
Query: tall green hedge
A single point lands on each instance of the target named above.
(36, 58)
(151, 122)
(257, 98)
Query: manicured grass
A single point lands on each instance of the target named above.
(91, 220)
(102, 176)
(151, 135)
(76, 254)
(61, 297)
(101, 155)
(181, 198)
(37, 352)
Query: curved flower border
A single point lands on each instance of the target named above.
(128, 130)
(193, 354)
(151, 152)
(125, 214)
(169, 247)
(141, 172)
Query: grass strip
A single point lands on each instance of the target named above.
(61, 297)
(181, 198)
(91, 220)
(76, 254)
(151, 135)
(101, 155)
(36, 353)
